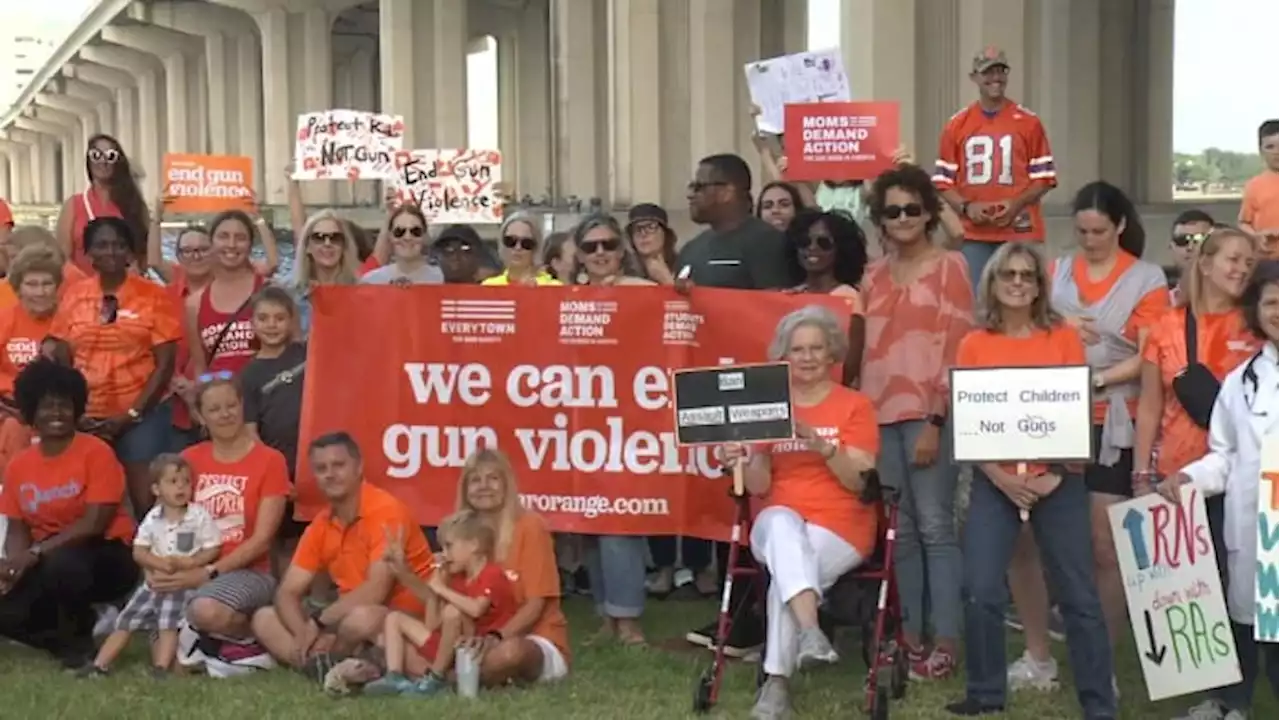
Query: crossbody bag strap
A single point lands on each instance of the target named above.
(1193, 355)
(212, 352)
(88, 207)
(283, 378)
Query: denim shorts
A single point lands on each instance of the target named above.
(151, 436)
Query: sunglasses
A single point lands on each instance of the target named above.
(330, 238)
(1186, 239)
(591, 247)
(698, 186)
(110, 309)
(453, 247)
(911, 210)
(823, 242)
(525, 243)
(400, 231)
(210, 377)
(103, 156)
(1007, 275)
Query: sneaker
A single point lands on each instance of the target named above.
(93, 672)
(159, 673)
(972, 708)
(745, 637)
(193, 648)
(237, 659)
(390, 684)
(815, 648)
(345, 677)
(773, 701)
(1012, 621)
(1028, 673)
(106, 622)
(704, 636)
(430, 684)
(937, 665)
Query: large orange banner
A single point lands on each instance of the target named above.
(572, 383)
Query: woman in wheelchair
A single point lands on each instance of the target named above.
(1016, 327)
(813, 527)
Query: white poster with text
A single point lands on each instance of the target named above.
(452, 186)
(805, 77)
(347, 145)
(1023, 413)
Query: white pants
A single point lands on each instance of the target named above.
(798, 557)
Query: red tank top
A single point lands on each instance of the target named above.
(86, 206)
(235, 347)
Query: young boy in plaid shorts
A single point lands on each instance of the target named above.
(174, 536)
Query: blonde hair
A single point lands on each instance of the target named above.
(469, 526)
(35, 258)
(1193, 283)
(988, 315)
(510, 511)
(304, 272)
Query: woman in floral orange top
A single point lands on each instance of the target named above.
(918, 304)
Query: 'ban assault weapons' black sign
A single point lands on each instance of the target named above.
(733, 403)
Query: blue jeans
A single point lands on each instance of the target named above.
(1062, 530)
(927, 555)
(978, 254)
(615, 564)
(151, 436)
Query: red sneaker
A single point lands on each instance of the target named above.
(937, 665)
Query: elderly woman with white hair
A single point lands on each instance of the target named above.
(521, 243)
(814, 527)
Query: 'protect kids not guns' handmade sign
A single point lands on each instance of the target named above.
(1176, 604)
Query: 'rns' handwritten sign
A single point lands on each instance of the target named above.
(347, 144)
(1176, 604)
(451, 186)
(1266, 587)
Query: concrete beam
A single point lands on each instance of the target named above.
(157, 41)
(135, 62)
(65, 103)
(196, 18)
(24, 137)
(94, 93)
(254, 7)
(44, 127)
(59, 116)
(100, 75)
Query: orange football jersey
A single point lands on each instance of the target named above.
(994, 158)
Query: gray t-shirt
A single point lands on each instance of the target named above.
(751, 256)
(389, 275)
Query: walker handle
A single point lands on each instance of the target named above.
(1023, 513)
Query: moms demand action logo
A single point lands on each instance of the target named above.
(477, 321)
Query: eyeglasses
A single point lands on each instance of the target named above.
(109, 156)
(193, 252)
(646, 227)
(591, 247)
(824, 242)
(330, 238)
(400, 231)
(1009, 276)
(210, 377)
(1186, 239)
(698, 185)
(525, 243)
(110, 309)
(911, 210)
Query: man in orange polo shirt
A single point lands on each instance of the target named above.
(1260, 206)
(347, 540)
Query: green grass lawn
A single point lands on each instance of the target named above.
(607, 682)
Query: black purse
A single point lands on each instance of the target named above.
(1196, 387)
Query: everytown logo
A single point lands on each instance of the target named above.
(477, 320)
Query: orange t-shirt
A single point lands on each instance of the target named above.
(1060, 345)
(531, 565)
(20, 336)
(346, 552)
(1222, 343)
(1145, 314)
(803, 482)
(1260, 206)
(232, 492)
(51, 493)
(116, 357)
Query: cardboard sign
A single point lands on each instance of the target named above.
(202, 184)
(804, 77)
(451, 186)
(347, 144)
(1266, 586)
(1176, 605)
(840, 141)
(733, 403)
(1024, 413)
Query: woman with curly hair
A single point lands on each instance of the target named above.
(67, 543)
(826, 253)
(112, 192)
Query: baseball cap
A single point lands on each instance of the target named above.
(647, 211)
(460, 234)
(989, 57)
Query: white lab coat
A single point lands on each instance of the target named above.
(1242, 417)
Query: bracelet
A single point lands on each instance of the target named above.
(496, 635)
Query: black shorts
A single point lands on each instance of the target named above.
(1114, 480)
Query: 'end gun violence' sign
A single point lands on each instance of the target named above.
(451, 186)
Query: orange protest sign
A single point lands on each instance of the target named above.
(572, 383)
(840, 140)
(207, 183)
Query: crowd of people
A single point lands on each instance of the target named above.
(151, 409)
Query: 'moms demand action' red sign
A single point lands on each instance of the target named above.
(840, 140)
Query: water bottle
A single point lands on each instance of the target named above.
(468, 671)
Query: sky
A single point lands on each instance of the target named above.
(1219, 47)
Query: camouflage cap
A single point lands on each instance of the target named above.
(989, 57)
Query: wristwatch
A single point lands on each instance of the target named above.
(1099, 382)
(36, 550)
(496, 635)
(937, 420)
(212, 571)
(134, 415)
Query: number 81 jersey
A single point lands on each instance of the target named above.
(994, 158)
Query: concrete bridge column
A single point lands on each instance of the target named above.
(176, 51)
(142, 128)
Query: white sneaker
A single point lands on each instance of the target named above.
(189, 653)
(106, 622)
(1211, 709)
(1028, 673)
